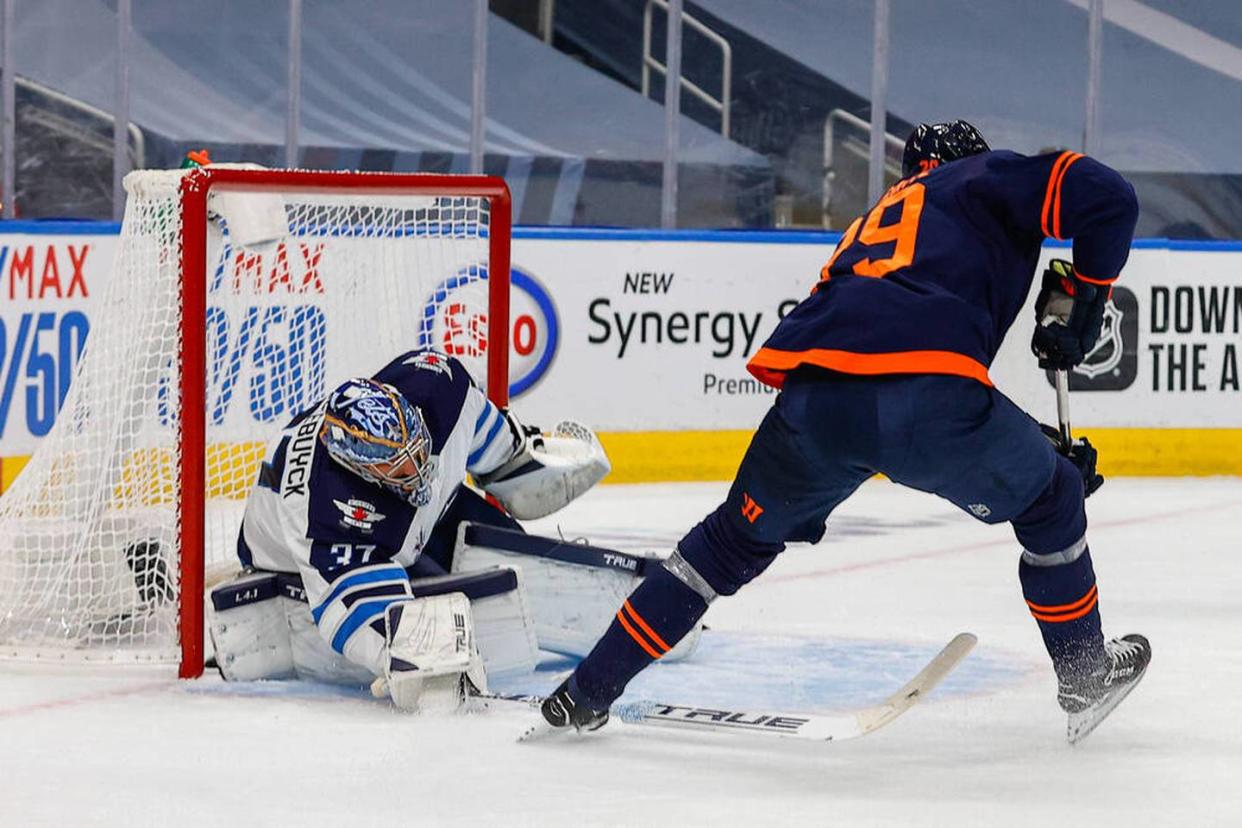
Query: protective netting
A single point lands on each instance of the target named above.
(303, 291)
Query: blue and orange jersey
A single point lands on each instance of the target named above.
(929, 280)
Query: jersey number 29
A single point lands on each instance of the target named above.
(903, 233)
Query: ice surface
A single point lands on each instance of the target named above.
(853, 617)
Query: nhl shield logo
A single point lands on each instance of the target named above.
(1106, 355)
(358, 513)
(1112, 364)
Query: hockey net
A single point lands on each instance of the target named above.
(238, 297)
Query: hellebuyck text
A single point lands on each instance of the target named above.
(725, 333)
(1195, 333)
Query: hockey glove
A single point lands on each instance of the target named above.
(546, 472)
(1069, 313)
(1081, 453)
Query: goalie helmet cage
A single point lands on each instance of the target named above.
(238, 297)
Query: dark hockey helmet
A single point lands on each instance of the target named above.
(931, 145)
(374, 431)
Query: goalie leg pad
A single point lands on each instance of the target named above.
(575, 589)
(313, 658)
(504, 627)
(431, 652)
(249, 630)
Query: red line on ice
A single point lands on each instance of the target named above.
(81, 700)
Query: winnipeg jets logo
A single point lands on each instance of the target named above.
(358, 514)
(431, 361)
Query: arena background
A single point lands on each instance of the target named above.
(789, 121)
(645, 335)
(662, 229)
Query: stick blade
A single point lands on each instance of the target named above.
(828, 727)
(916, 688)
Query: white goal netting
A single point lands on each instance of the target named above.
(304, 289)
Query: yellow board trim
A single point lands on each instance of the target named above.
(659, 456)
(667, 456)
(10, 467)
(147, 476)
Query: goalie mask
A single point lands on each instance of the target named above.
(373, 431)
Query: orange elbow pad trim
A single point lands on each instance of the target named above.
(1090, 281)
(1050, 215)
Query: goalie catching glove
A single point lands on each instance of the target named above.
(1069, 313)
(546, 472)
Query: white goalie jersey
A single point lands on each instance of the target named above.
(352, 541)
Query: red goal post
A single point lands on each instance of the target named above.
(90, 562)
(195, 188)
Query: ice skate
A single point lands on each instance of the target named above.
(561, 712)
(1089, 697)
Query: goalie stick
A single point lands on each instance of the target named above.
(806, 726)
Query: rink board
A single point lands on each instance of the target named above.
(645, 335)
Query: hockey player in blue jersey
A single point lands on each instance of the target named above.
(884, 369)
(357, 501)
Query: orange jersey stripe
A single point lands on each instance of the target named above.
(1090, 281)
(1064, 607)
(766, 361)
(770, 378)
(1073, 616)
(1045, 213)
(634, 634)
(638, 619)
(1056, 199)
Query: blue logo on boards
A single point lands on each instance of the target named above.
(455, 322)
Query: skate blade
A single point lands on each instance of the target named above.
(539, 731)
(1080, 725)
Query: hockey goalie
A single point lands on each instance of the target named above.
(356, 563)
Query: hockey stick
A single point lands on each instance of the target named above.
(814, 727)
(1063, 420)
